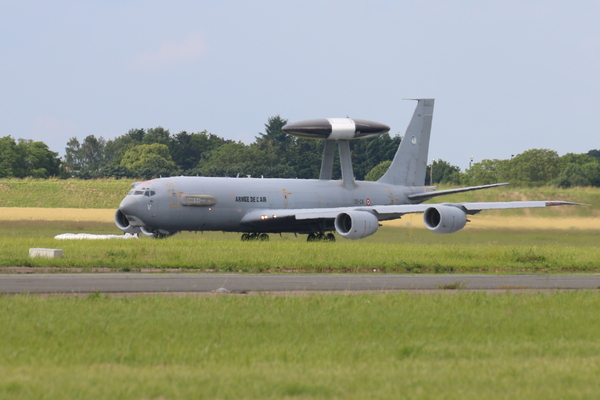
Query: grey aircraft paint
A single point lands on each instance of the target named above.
(161, 207)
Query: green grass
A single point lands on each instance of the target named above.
(376, 346)
(390, 250)
(55, 193)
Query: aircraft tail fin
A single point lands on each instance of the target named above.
(410, 162)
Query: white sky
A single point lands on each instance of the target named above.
(507, 75)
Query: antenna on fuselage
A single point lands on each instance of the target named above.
(340, 131)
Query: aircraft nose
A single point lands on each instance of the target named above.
(131, 209)
(128, 205)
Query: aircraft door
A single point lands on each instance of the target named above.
(286, 197)
(173, 194)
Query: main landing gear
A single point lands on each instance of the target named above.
(320, 237)
(312, 237)
(263, 237)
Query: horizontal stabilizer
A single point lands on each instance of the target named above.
(429, 195)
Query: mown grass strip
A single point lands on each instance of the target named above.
(302, 257)
(468, 345)
(389, 250)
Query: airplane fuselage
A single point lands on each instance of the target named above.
(206, 203)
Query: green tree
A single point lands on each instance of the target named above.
(236, 158)
(304, 158)
(443, 172)
(274, 134)
(579, 175)
(115, 149)
(578, 170)
(158, 135)
(34, 159)
(368, 153)
(535, 167)
(595, 154)
(85, 159)
(8, 157)
(580, 159)
(378, 171)
(92, 150)
(486, 172)
(188, 149)
(72, 160)
(149, 160)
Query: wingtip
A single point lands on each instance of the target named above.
(564, 203)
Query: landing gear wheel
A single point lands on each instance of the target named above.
(263, 237)
(320, 237)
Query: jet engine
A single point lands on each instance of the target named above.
(123, 223)
(356, 224)
(444, 219)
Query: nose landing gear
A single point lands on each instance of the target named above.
(157, 233)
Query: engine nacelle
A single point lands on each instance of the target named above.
(444, 219)
(356, 224)
(123, 223)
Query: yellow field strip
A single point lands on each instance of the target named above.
(408, 221)
(56, 214)
(512, 222)
(493, 222)
(535, 223)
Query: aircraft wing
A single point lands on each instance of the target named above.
(473, 208)
(386, 212)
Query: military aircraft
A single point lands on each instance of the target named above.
(256, 207)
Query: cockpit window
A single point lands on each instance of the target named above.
(142, 192)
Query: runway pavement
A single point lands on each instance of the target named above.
(203, 282)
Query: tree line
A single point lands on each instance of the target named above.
(150, 153)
